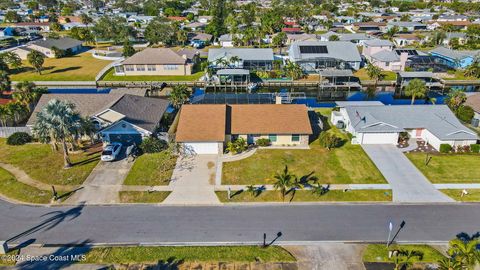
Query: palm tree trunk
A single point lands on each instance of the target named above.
(413, 99)
(66, 158)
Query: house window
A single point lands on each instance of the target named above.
(295, 137)
(151, 67)
(387, 64)
(170, 67)
(140, 68)
(272, 137)
(128, 67)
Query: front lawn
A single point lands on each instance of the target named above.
(110, 76)
(81, 67)
(152, 170)
(120, 255)
(363, 76)
(143, 196)
(308, 196)
(45, 165)
(448, 168)
(459, 75)
(379, 253)
(472, 196)
(11, 188)
(345, 165)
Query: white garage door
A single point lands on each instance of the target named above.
(202, 148)
(380, 138)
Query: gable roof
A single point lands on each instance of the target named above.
(438, 119)
(344, 50)
(386, 56)
(378, 43)
(61, 43)
(155, 56)
(455, 54)
(262, 54)
(211, 122)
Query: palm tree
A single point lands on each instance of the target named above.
(57, 122)
(449, 264)
(252, 190)
(283, 181)
(374, 73)
(4, 115)
(27, 93)
(293, 70)
(16, 109)
(5, 82)
(36, 59)
(404, 257)
(473, 70)
(88, 128)
(416, 88)
(392, 32)
(179, 96)
(221, 62)
(465, 252)
(234, 61)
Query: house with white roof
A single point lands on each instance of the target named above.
(377, 124)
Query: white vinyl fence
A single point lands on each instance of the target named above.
(7, 131)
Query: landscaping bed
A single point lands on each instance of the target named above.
(152, 170)
(120, 255)
(143, 196)
(448, 168)
(472, 196)
(110, 76)
(308, 196)
(81, 67)
(41, 163)
(348, 164)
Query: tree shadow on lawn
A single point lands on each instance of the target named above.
(86, 161)
(25, 69)
(171, 263)
(65, 70)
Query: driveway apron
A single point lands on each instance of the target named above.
(407, 182)
(193, 181)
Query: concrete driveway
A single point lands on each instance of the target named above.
(338, 256)
(407, 182)
(193, 181)
(103, 184)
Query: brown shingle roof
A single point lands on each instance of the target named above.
(474, 102)
(201, 123)
(152, 56)
(270, 119)
(204, 123)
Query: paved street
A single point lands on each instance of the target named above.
(236, 224)
(407, 182)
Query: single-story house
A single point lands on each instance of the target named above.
(473, 101)
(46, 45)
(403, 40)
(389, 60)
(248, 58)
(205, 128)
(371, 47)
(155, 61)
(435, 124)
(291, 38)
(228, 40)
(71, 25)
(118, 117)
(454, 58)
(357, 38)
(317, 55)
(44, 26)
(409, 26)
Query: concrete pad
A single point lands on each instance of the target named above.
(407, 182)
(328, 256)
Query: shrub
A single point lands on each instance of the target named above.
(465, 113)
(153, 145)
(475, 148)
(263, 142)
(237, 146)
(19, 138)
(329, 141)
(445, 148)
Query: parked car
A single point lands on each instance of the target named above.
(111, 152)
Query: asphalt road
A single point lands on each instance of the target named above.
(234, 224)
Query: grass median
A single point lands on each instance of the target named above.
(143, 196)
(456, 194)
(379, 253)
(120, 255)
(308, 196)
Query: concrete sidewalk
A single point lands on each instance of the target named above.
(407, 182)
(193, 181)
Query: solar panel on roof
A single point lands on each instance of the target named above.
(313, 49)
(409, 52)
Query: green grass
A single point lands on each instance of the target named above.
(308, 196)
(119, 255)
(449, 168)
(11, 188)
(45, 165)
(143, 196)
(379, 253)
(81, 67)
(459, 75)
(151, 170)
(363, 76)
(7, 260)
(472, 196)
(110, 76)
(345, 165)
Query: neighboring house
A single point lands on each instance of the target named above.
(69, 26)
(204, 129)
(227, 40)
(383, 124)
(140, 19)
(357, 38)
(317, 55)
(389, 60)
(454, 58)
(69, 19)
(196, 26)
(249, 58)
(44, 27)
(7, 32)
(155, 61)
(46, 45)
(409, 26)
(121, 118)
(204, 19)
(403, 40)
(22, 52)
(369, 26)
(200, 37)
(291, 38)
(371, 47)
(456, 25)
(473, 101)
